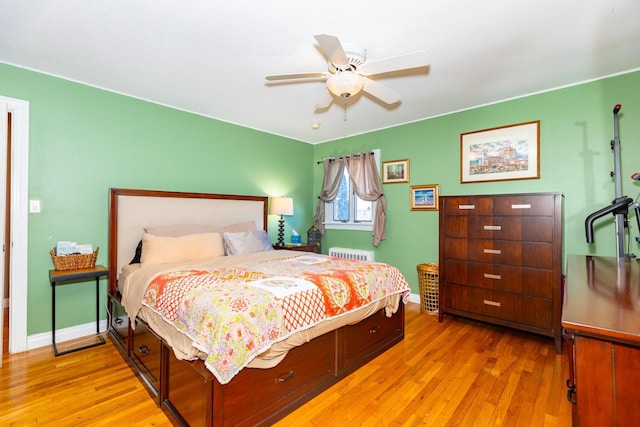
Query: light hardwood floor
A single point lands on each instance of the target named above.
(455, 373)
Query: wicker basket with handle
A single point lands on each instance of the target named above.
(74, 262)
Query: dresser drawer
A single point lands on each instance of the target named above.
(518, 280)
(466, 206)
(526, 254)
(361, 339)
(301, 370)
(146, 353)
(533, 229)
(534, 312)
(523, 205)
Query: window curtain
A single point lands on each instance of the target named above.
(365, 179)
(363, 172)
(333, 170)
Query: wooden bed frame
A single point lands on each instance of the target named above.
(189, 393)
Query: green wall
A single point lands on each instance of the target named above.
(84, 140)
(576, 127)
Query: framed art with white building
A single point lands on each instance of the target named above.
(501, 154)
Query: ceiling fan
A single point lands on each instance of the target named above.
(349, 72)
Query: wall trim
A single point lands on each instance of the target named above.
(87, 330)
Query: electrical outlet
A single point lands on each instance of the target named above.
(34, 206)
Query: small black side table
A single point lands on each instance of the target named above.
(61, 277)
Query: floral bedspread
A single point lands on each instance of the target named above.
(235, 313)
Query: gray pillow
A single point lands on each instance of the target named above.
(246, 242)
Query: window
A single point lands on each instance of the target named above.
(348, 211)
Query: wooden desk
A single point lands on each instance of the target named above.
(61, 277)
(601, 318)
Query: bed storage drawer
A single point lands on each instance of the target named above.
(304, 369)
(119, 323)
(145, 352)
(364, 338)
(189, 391)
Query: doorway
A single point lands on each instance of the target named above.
(17, 215)
(6, 245)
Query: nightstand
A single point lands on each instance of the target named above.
(301, 248)
(61, 277)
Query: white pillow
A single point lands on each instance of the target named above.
(246, 242)
(192, 247)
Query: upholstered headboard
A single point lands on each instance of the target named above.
(131, 211)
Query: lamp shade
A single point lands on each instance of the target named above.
(281, 206)
(345, 84)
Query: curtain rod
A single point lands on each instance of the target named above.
(331, 159)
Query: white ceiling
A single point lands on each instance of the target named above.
(211, 58)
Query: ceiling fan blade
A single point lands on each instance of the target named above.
(333, 48)
(395, 63)
(380, 91)
(325, 100)
(297, 76)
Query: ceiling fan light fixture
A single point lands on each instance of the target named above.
(345, 84)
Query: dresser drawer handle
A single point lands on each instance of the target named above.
(375, 329)
(493, 251)
(493, 303)
(493, 227)
(522, 206)
(462, 207)
(492, 276)
(144, 349)
(285, 377)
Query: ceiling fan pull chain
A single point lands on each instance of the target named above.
(345, 108)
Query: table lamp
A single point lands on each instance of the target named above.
(281, 206)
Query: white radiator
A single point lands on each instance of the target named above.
(347, 253)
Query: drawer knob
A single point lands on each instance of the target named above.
(144, 349)
(375, 330)
(492, 276)
(286, 377)
(493, 251)
(466, 207)
(493, 303)
(493, 227)
(522, 206)
(571, 392)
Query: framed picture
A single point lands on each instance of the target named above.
(500, 154)
(395, 171)
(424, 197)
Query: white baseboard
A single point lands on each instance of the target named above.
(414, 298)
(44, 339)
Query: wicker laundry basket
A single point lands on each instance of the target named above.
(428, 282)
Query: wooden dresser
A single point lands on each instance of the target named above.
(501, 260)
(601, 318)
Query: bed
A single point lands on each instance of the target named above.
(224, 330)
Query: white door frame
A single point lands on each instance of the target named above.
(19, 223)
